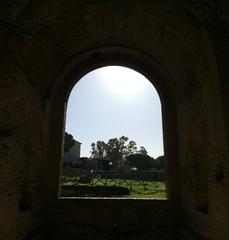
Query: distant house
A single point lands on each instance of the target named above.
(73, 154)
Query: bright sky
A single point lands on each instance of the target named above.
(112, 102)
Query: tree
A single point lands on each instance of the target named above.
(131, 147)
(142, 150)
(160, 162)
(140, 161)
(68, 141)
(118, 149)
(115, 150)
(98, 149)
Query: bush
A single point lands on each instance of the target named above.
(84, 179)
(100, 191)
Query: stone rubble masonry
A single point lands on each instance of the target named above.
(42, 42)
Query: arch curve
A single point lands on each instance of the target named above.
(105, 56)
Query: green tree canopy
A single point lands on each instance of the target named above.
(68, 141)
(140, 161)
(142, 150)
(115, 150)
(160, 162)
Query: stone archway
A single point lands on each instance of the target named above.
(160, 78)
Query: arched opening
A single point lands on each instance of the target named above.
(113, 209)
(113, 144)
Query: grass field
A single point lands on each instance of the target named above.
(153, 189)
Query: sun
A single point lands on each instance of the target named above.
(123, 81)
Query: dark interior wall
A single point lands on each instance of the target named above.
(203, 150)
(22, 155)
(40, 38)
(219, 154)
(22, 171)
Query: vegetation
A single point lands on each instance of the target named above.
(159, 163)
(152, 189)
(140, 161)
(115, 150)
(118, 155)
(68, 141)
(145, 162)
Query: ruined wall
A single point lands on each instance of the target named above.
(22, 156)
(204, 131)
(203, 151)
(40, 38)
(21, 133)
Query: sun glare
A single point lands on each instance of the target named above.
(115, 101)
(123, 81)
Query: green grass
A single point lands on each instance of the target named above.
(154, 189)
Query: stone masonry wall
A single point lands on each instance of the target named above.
(39, 38)
(22, 157)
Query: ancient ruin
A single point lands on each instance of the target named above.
(182, 47)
